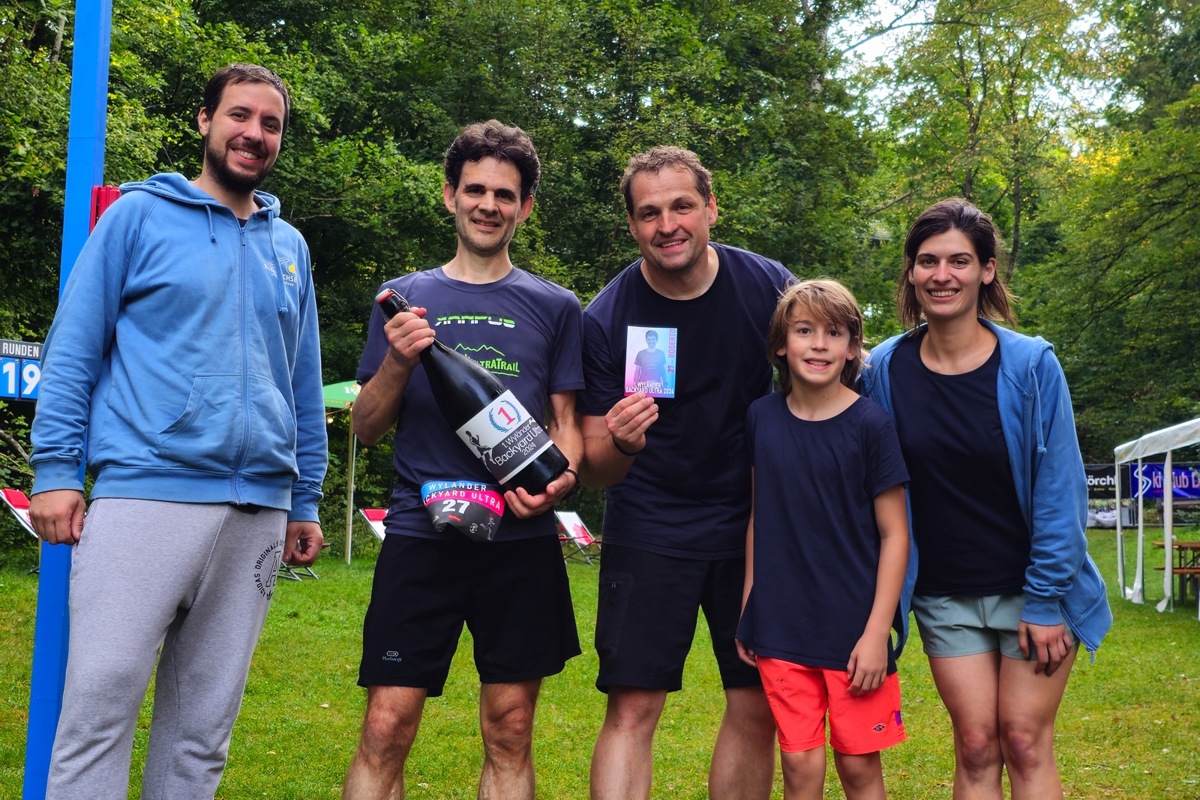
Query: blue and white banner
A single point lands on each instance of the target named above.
(1185, 480)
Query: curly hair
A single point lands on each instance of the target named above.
(663, 157)
(502, 142)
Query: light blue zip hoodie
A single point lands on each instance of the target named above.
(185, 355)
(1062, 583)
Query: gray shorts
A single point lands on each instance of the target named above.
(967, 626)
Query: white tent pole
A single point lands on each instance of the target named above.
(350, 493)
(1162, 441)
(1168, 601)
(1139, 567)
(1120, 539)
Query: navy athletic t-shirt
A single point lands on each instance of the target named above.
(688, 493)
(816, 542)
(525, 330)
(970, 535)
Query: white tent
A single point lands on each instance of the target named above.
(1163, 441)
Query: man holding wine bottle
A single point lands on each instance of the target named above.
(677, 475)
(468, 537)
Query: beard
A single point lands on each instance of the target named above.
(229, 178)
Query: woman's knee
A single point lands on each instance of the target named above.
(978, 749)
(1026, 749)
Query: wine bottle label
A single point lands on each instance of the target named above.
(505, 437)
(473, 509)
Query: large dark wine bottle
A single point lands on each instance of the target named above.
(488, 418)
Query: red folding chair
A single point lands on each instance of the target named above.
(576, 540)
(374, 518)
(18, 504)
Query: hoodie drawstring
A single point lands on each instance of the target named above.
(280, 295)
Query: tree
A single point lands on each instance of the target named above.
(1119, 292)
(976, 106)
(379, 90)
(1155, 52)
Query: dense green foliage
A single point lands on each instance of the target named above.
(820, 156)
(1116, 280)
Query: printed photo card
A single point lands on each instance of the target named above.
(650, 357)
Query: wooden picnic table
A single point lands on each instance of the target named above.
(1187, 565)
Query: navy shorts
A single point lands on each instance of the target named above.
(512, 596)
(646, 618)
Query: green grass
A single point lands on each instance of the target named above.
(1128, 728)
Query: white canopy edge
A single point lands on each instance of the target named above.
(1162, 441)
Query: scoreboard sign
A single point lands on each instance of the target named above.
(20, 369)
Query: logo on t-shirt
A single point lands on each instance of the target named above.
(490, 359)
(487, 356)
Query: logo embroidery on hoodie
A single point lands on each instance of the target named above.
(290, 273)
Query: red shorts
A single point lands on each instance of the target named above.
(799, 697)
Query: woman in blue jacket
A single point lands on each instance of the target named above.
(1005, 590)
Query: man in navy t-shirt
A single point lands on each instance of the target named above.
(676, 470)
(508, 585)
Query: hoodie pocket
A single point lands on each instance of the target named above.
(221, 426)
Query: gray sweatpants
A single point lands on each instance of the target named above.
(195, 579)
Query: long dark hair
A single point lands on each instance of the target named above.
(995, 301)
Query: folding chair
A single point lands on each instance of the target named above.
(576, 540)
(296, 573)
(374, 518)
(18, 504)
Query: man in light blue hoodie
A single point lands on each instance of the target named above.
(184, 359)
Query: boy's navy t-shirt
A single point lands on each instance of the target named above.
(816, 542)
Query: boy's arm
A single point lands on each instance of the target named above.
(867, 668)
(744, 652)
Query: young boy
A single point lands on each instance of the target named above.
(826, 549)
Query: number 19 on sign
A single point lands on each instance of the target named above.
(19, 378)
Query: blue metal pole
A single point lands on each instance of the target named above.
(85, 169)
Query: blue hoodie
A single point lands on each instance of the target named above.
(1062, 583)
(185, 356)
